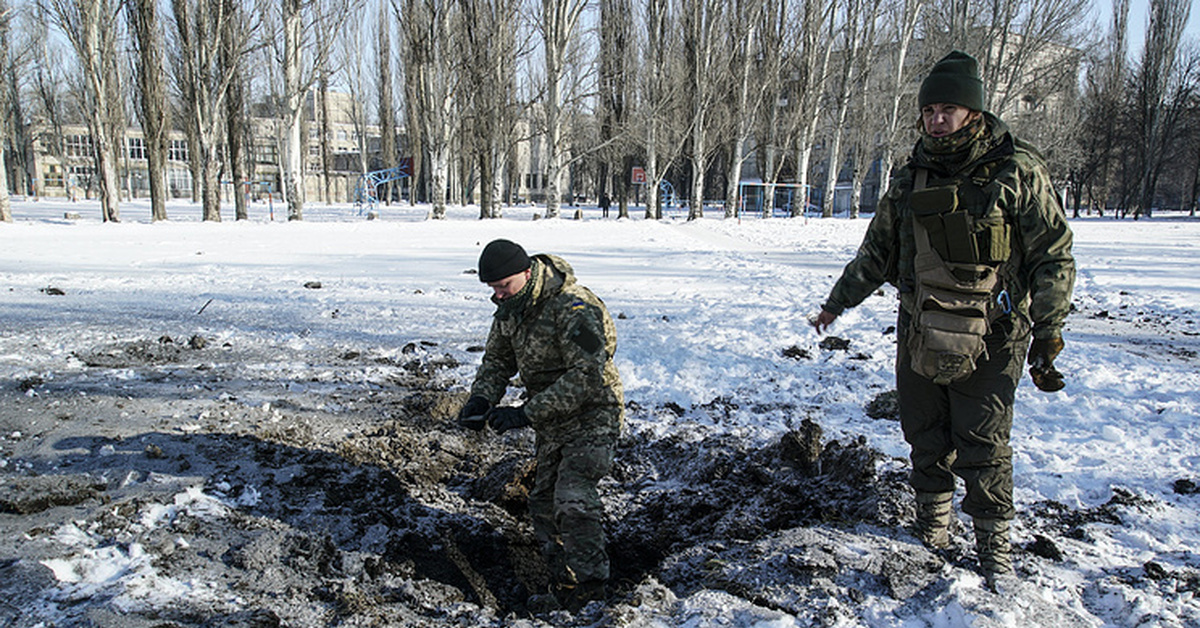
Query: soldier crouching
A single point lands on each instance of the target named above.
(560, 338)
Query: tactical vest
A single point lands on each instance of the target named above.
(959, 290)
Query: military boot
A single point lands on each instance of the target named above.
(995, 554)
(542, 603)
(933, 519)
(574, 597)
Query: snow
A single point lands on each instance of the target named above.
(704, 310)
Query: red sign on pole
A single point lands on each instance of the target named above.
(638, 175)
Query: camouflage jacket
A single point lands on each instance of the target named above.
(1010, 180)
(562, 344)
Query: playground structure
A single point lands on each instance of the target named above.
(367, 191)
(787, 195)
(666, 192)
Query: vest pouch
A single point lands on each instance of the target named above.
(950, 317)
(936, 200)
(995, 242)
(961, 245)
(948, 229)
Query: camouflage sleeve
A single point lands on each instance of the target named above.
(498, 367)
(585, 351)
(1048, 266)
(870, 268)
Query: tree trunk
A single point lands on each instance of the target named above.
(905, 31)
(83, 23)
(235, 114)
(431, 78)
(326, 135)
(5, 205)
(294, 143)
(210, 197)
(152, 98)
(745, 29)
(387, 113)
(616, 21)
(559, 20)
(813, 70)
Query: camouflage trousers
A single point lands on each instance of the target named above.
(962, 429)
(568, 516)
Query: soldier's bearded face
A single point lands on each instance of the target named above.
(510, 285)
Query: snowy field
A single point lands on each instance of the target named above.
(713, 347)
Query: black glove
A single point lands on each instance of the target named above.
(1042, 352)
(472, 413)
(506, 418)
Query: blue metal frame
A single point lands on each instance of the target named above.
(367, 191)
(667, 192)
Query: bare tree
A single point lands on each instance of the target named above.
(616, 97)
(490, 31)
(188, 100)
(560, 19)
(744, 98)
(235, 36)
(87, 25)
(387, 102)
(48, 79)
(1156, 110)
(1023, 46)
(658, 89)
(415, 136)
(294, 88)
(302, 53)
(664, 114)
(5, 99)
(144, 23)
(21, 129)
(854, 59)
(1190, 148)
(431, 82)
(325, 132)
(207, 72)
(352, 43)
(811, 69)
(1111, 85)
(701, 22)
(901, 28)
(773, 128)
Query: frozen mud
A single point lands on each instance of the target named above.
(163, 484)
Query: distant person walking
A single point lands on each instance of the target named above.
(605, 203)
(560, 338)
(975, 240)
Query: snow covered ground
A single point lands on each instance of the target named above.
(711, 323)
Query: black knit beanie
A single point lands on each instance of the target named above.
(501, 258)
(954, 80)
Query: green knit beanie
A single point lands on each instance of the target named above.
(955, 80)
(502, 258)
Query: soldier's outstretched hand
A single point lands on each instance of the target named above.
(1042, 352)
(822, 321)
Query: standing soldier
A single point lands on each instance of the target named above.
(560, 338)
(973, 237)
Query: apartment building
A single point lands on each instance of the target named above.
(69, 170)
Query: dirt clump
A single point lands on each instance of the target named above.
(27, 495)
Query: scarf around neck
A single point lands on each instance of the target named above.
(953, 153)
(517, 303)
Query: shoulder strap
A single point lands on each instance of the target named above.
(920, 179)
(921, 235)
